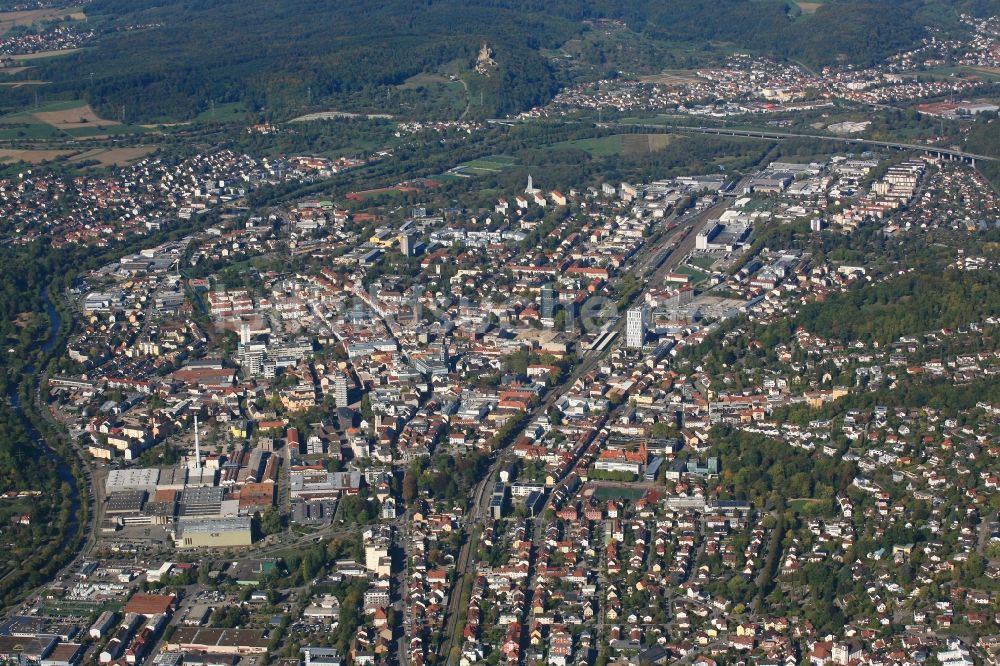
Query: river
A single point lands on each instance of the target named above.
(62, 469)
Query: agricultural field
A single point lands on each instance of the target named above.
(437, 90)
(485, 165)
(106, 157)
(223, 113)
(643, 144)
(620, 144)
(24, 126)
(104, 131)
(336, 115)
(29, 17)
(808, 7)
(61, 119)
(987, 70)
(22, 84)
(231, 112)
(991, 73)
(424, 80)
(956, 71)
(32, 156)
(72, 117)
(604, 146)
(94, 157)
(41, 55)
(390, 191)
(671, 78)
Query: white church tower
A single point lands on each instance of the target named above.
(530, 189)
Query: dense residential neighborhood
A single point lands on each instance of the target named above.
(498, 467)
(698, 367)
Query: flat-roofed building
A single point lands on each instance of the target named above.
(138, 478)
(64, 654)
(321, 656)
(103, 624)
(214, 533)
(150, 604)
(198, 615)
(324, 607)
(20, 650)
(172, 478)
(125, 502)
(218, 641)
(201, 502)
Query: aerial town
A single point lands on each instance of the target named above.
(479, 457)
(744, 411)
(759, 85)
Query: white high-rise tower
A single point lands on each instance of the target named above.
(636, 322)
(340, 390)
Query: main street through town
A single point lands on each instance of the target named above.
(649, 267)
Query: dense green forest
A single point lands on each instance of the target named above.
(768, 473)
(858, 32)
(907, 305)
(26, 272)
(282, 58)
(277, 58)
(21, 468)
(984, 139)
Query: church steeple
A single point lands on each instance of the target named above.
(530, 189)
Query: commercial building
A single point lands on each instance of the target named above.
(64, 654)
(218, 641)
(103, 624)
(321, 656)
(612, 465)
(137, 478)
(201, 502)
(215, 533)
(125, 502)
(19, 650)
(725, 237)
(150, 604)
(320, 484)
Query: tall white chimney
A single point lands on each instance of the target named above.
(197, 445)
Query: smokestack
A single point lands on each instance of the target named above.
(197, 445)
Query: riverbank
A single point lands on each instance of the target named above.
(74, 523)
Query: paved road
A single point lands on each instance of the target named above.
(649, 268)
(759, 134)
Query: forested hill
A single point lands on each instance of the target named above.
(279, 55)
(282, 55)
(984, 139)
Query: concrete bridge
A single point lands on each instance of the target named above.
(935, 151)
